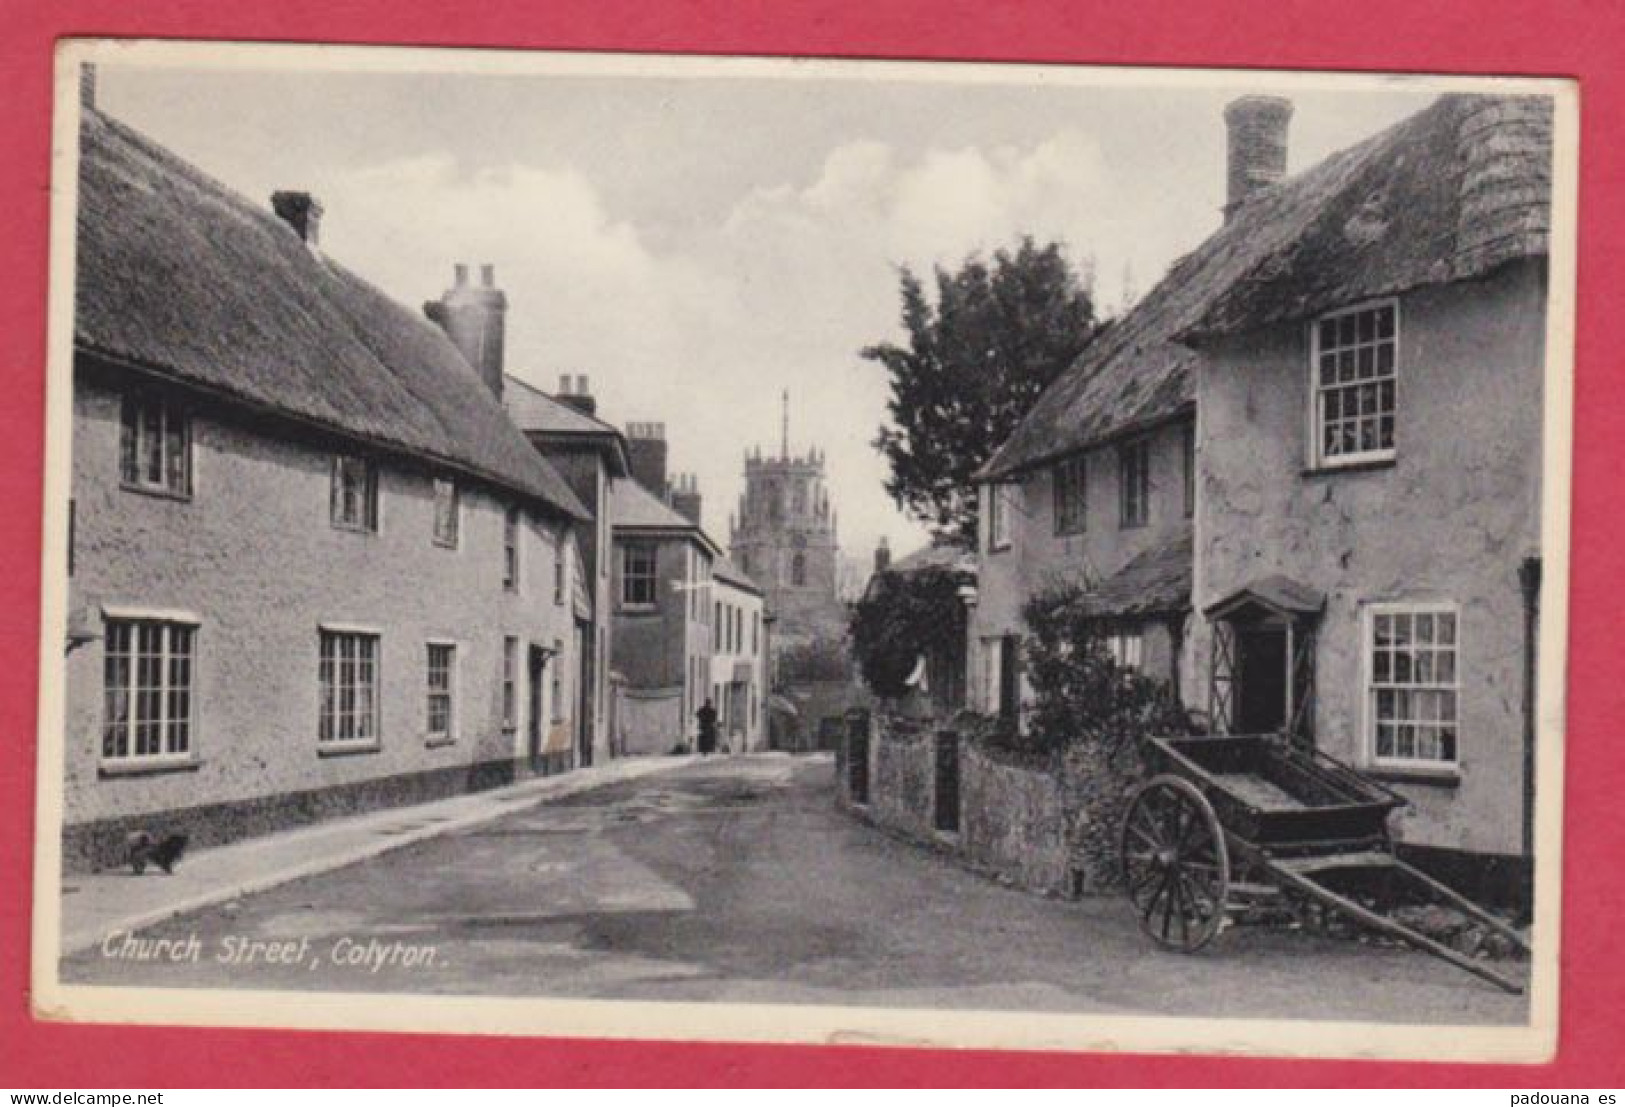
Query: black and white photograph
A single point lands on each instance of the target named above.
(749, 549)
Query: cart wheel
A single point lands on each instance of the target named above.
(1175, 864)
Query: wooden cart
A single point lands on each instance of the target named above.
(1248, 821)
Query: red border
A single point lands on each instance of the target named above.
(1559, 37)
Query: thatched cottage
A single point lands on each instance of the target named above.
(314, 567)
(1304, 472)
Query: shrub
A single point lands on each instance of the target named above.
(903, 616)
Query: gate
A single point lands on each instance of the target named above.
(857, 757)
(946, 806)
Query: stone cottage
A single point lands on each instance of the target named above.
(313, 567)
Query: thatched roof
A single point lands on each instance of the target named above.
(182, 279)
(1446, 195)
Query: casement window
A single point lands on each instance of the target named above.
(1071, 479)
(1187, 446)
(447, 518)
(155, 447)
(355, 493)
(1134, 482)
(441, 686)
(1355, 370)
(147, 683)
(510, 550)
(348, 677)
(1412, 681)
(638, 582)
(557, 664)
(510, 683)
(998, 517)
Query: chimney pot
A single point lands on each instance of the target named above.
(564, 384)
(488, 275)
(302, 212)
(1256, 129)
(460, 271)
(581, 385)
(882, 556)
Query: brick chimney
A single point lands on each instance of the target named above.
(1257, 127)
(646, 450)
(882, 556)
(576, 394)
(473, 317)
(302, 212)
(685, 497)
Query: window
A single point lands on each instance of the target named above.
(1134, 482)
(348, 677)
(355, 493)
(147, 691)
(1071, 495)
(717, 629)
(638, 575)
(1411, 696)
(155, 447)
(1187, 444)
(755, 632)
(1355, 365)
(446, 508)
(441, 685)
(510, 683)
(510, 550)
(556, 663)
(558, 572)
(998, 517)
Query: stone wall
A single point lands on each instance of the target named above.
(1048, 823)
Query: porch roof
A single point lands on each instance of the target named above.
(1274, 595)
(1155, 581)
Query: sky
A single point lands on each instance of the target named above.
(695, 244)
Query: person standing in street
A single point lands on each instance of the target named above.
(707, 718)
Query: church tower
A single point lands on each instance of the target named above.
(784, 538)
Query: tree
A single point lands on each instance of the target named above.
(975, 362)
(903, 617)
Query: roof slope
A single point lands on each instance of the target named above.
(534, 410)
(634, 507)
(180, 277)
(726, 571)
(1447, 194)
(1157, 580)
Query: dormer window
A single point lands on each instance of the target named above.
(1355, 367)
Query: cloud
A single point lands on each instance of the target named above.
(706, 331)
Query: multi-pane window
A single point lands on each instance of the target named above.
(638, 575)
(1134, 482)
(998, 516)
(1071, 495)
(348, 677)
(1412, 680)
(510, 682)
(1356, 369)
(446, 519)
(1187, 444)
(147, 691)
(355, 493)
(441, 689)
(558, 572)
(155, 447)
(510, 549)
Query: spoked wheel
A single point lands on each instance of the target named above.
(1175, 864)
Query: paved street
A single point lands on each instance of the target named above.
(737, 880)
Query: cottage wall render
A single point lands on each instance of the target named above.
(665, 645)
(254, 557)
(1451, 519)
